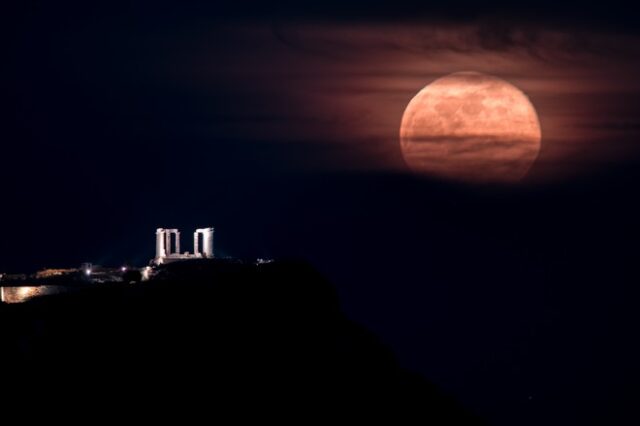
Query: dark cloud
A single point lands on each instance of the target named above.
(561, 43)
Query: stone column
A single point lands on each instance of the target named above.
(160, 247)
(196, 243)
(167, 236)
(208, 242)
(177, 233)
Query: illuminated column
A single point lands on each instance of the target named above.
(177, 241)
(196, 243)
(160, 247)
(207, 242)
(167, 239)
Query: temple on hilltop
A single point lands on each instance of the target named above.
(168, 245)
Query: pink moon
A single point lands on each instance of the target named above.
(471, 127)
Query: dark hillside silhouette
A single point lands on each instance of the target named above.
(261, 342)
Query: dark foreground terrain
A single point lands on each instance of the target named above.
(208, 340)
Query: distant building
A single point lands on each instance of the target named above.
(17, 288)
(168, 245)
(48, 273)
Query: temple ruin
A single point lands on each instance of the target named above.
(168, 245)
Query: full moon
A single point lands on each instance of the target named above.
(471, 127)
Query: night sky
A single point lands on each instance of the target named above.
(277, 124)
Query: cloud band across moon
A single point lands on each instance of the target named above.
(472, 159)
